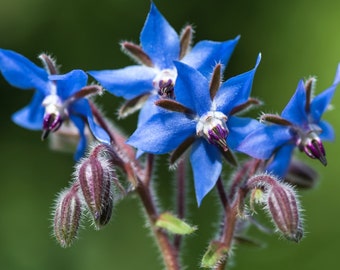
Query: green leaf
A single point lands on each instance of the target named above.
(174, 225)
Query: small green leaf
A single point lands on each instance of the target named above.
(174, 225)
(216, 253)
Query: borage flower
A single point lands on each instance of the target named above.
(57, 99)
(300, 125)
(201, 116)
(155, 77)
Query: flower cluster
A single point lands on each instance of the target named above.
(189, 111)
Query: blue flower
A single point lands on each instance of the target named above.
(300, 125)
(160, 46)
(57, 99)
(202, 115)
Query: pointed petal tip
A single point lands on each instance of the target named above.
(337, 76)
(258, 60)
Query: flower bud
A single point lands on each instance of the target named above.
(107, 207)
(281, 203)
(67, 216)
(95, 177)
(283, 207)
(301, 175)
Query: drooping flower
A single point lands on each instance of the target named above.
(203, 116)
(155, 75)
(57, 99)
(300, 125)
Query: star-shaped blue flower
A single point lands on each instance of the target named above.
(300, 125)
(203, 114)
(160, 46)
(57, 99)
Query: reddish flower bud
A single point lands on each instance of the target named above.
(67, 216)
(281, 203)
(284, 209)
(95, 176)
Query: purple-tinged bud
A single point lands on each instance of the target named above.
(283, 207)
(281, 204)
(107, 207)
(212, 126)
(67, 216)
(301, 175)
(95, 176)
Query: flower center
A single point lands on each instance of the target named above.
(212, 126)
(311, 144)
(54, 115)
(164, 83)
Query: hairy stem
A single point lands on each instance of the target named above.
(180, 199)
(221, 192)
(142, 188)
(166, 248)
(230, 220)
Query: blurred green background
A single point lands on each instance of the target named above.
(297, 39)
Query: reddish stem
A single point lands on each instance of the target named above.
(180, 198)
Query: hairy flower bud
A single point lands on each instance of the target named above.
(281, 203)
(284, 209)
(95, 177)
(67, 216)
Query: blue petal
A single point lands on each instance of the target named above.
(22, 73)
(31, 116)
(295, 110)
(239, 129)
(320, 103)
(69, 83)
(280, 164)
(206, 165)
(82, 108)
(206, 54)
(264, 140)
(127, 82)
(148, 110)
(80, 124)
(327, 133)
(192, 89)
(163, 132)
(159, 40)
(98, 132)
(235, 90)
